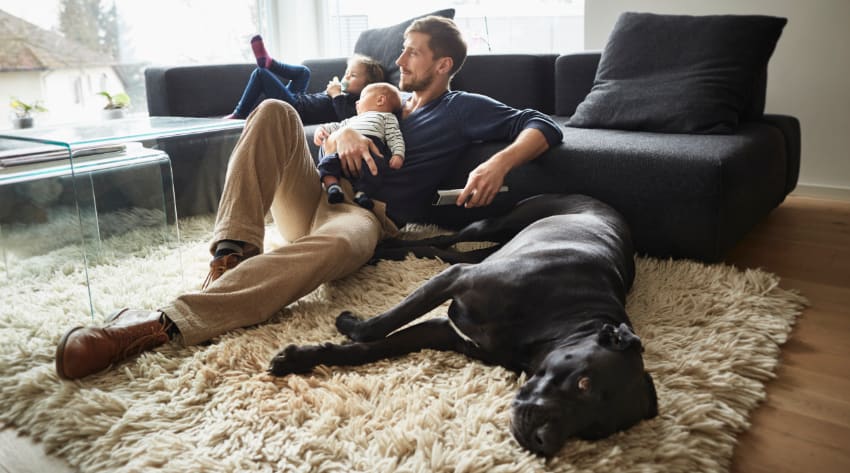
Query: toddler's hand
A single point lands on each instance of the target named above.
(396, 161)
(334, 87)
(319, 136)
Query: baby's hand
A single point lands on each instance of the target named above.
(396, 161)
(320, 136)
(334, 87)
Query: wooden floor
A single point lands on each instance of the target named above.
(804, 426)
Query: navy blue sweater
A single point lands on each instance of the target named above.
(319, 107)
(437, 134)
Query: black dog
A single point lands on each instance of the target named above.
(549, 301)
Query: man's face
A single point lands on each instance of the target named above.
(416, 63)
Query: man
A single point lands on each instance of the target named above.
(271, 169)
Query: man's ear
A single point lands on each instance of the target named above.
(444, 65)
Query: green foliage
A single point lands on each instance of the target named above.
(116, 100)
(24, 109)
(86, 22)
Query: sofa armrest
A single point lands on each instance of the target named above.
(157, 93)
(323, 70)
(790, 128)
(574, 75)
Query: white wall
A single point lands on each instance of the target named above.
(807, 76)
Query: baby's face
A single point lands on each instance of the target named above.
(355, 76)
(375, 98)
(369, 100)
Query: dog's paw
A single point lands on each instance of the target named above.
(293, 359)
(347, 324)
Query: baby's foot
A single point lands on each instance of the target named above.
(335, 194)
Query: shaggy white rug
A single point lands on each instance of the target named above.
(712, 337)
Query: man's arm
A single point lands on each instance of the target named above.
(484, 119)
(485, 180)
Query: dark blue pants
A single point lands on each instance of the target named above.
(329, 165)
(280, 81)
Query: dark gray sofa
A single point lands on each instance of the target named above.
(685, 196)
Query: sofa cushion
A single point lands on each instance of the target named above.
(385, 44)
(680, 74)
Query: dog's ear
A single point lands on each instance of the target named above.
(619, 338)
(651, 396)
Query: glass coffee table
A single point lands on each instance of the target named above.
(74, 197)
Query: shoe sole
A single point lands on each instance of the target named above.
(60, 357)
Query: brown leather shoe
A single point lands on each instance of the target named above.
(219, 265)
(87, 350)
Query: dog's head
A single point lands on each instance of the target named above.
(588, 390)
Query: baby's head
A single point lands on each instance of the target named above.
(379, 97)
(360, 72)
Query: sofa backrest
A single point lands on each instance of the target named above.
(195, 91)
(519, 80)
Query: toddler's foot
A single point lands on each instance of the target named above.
(335, 194)
(264, 59)
(363, 200)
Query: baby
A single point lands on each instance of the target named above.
(375, 119)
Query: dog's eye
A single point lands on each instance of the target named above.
(584, 384)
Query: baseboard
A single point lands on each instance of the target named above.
(822, 192)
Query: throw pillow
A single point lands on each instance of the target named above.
(385, 44)
(679, 74)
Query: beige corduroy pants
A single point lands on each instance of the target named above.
(271, 170)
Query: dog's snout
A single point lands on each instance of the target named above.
(539, 436)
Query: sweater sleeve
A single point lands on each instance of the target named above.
(344, 106)
(484, 119)
(334, 126)
(392, 134)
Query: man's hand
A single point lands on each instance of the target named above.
(483, 184)
(320, 136)
(485, 181)
(353, 148)
(396, 162)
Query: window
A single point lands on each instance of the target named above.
(489, 26)
(63, 52)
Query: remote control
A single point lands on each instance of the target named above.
(449, 196)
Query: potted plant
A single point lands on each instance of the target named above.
(23, 112)
(116, 104)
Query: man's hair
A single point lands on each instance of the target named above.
(445, 40)
(374, 70)
(391, 92)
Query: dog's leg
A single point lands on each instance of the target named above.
(437, 290)
(447, 255)
(436, 334)
(497, 229)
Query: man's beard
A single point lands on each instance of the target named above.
(418, 85)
